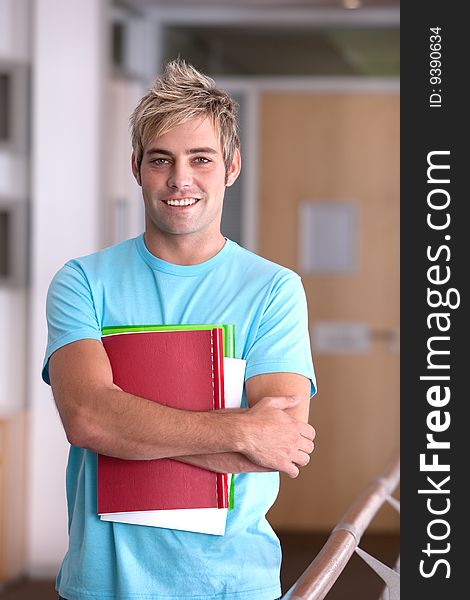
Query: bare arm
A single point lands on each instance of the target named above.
(99, 416)
(268, 386)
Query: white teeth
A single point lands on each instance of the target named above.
(182, 202)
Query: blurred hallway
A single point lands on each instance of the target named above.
(318, 94)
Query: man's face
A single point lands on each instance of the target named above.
(183, 180)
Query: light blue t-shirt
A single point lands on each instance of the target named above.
(126, 285)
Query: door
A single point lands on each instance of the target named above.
(339, 147)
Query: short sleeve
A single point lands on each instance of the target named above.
(70, 312)
(282, 343)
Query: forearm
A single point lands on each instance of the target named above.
(224, 462)
(264, 437)
(97, 415)
(116, 423)
(101, 417)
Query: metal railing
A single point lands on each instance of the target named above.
(320, 576)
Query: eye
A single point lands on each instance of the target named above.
(160, 161)
(201, 160)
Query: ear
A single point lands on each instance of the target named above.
(135, 170)
(234, 169)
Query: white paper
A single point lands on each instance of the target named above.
(234, 378)
(200, 520)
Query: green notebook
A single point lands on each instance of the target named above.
(228, 335)
(228, 332)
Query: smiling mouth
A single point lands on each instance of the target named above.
(181, 201)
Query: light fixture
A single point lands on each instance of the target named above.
(351, 4)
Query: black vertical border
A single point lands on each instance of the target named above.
(425, 129)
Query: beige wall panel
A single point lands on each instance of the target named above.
(12, 496)
(356, 418)
(339, 147)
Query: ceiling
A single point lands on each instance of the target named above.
(254, 37)
(145, 4)
(265, 3)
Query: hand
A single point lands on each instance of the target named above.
(276, 440)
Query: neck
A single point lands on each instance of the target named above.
(182, 249)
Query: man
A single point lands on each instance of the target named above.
(182, 270)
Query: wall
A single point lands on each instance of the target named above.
(14, 189)
(15, 53)
(70, 54)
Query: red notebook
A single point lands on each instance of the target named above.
(182, 369)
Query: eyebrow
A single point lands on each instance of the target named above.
(202, 150)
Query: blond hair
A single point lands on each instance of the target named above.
(180, 94)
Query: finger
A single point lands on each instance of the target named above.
(307, 431)
(302, 459)
(306, 445)
(292, 470)
(289, 468)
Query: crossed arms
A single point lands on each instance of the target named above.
(272, 435)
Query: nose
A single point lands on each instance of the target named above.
(180, 176)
